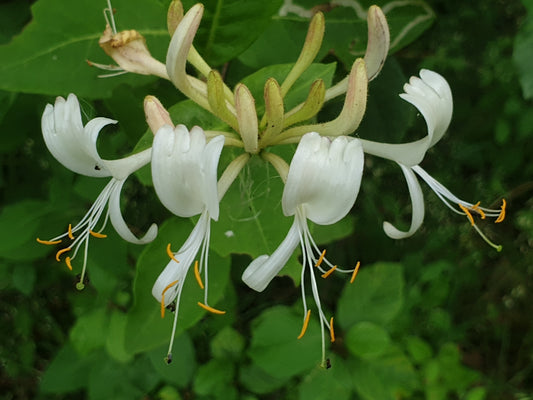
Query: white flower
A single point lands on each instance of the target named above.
(184, 172)
(74, 146)
(322, 185)
(432, 96)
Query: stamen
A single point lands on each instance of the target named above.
(211, 309)
(98, 234)
(61, 252)
(168, 358)
(477, 209)
(501, 217)
(331, 330)
(497, 247)
(354, 274)
(304, 327)
(70, 235)
(197, 275)
(48, 242)
(329, 272)
(67, 261)
(163, 297)
(321, 258)
(467, 212)
(170, 254)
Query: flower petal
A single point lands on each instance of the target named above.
(186, 254)
(184, 170)
(432, 96)
(417, 201)
(263, 269)
(324, 178)
(69, 142)
(118, 221)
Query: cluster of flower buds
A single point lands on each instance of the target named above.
(321, 183)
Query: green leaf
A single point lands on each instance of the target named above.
(19, 222)
(49, 56)
(375, 296)
(229, 27)
(367, 340)
(112, 380)
(275, 348)
(183, 367)
(258, 381)
(251, 221)
(24, 278)
(334, 383)
(419, 350)
(228, 344)
(523, 52)
(146, 329)
(388, 377)
(214, 378)
(68, 371)
(116, 334)
(89, 332)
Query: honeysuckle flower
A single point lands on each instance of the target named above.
(184, 173)
(74, 146)
(321, 185)
(431, 95)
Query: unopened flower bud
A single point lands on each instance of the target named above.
(156, 115)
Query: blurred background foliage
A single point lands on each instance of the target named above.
(437, 316)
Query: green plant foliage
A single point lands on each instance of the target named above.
(274, 335)
(523, 50)
(375, 296)
(61, 38)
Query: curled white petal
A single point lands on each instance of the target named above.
(69, 142)
(417, 201)
(184, 170)
(324, 178)
(263, 269)
(178, 271)
(118, 221)
(432, 96)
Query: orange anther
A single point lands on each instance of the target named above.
(163, 297)
(304, 327)
(98, 235)
(329, 272)
(58, 254)
(170, 254)
(48, 242)
(67, 261)
(468, 215)
(211, 309)
(331, 330)
(70, 235)
(501, 217)
(478, 209)
(354, 273)
(321, 258)
(197, 275)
